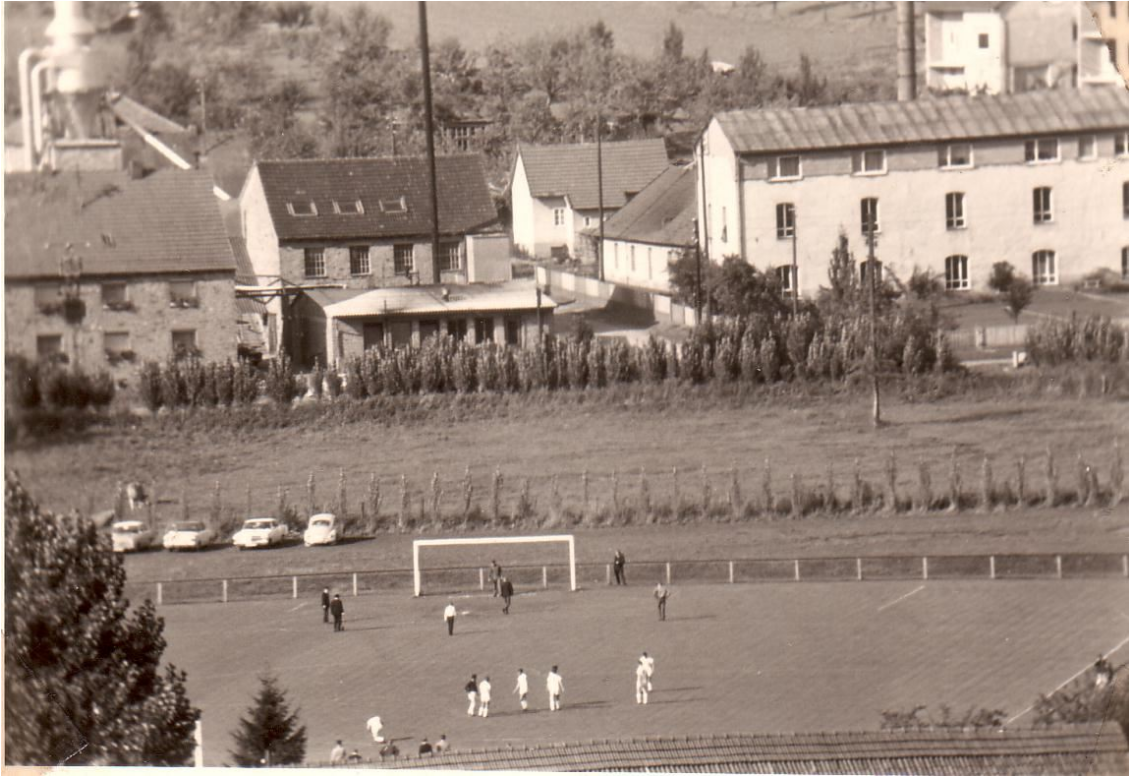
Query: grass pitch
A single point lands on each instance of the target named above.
(766, 658)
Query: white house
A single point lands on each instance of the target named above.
(555, 190)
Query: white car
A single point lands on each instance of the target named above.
(322, 528)
(260, 532)
(188, 535)
(131, 536)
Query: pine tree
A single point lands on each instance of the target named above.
(83, 680)
(269, 734)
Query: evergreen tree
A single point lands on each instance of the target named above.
(83, 681)
(270, 734)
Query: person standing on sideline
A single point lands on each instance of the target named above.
(450, 616)
(618, 565)
(641, 684)
(506, 593)
(495, 573)
(442, 745)
(337, 612)
(338, 753)
(425, 748)
(522, 689)
(485, 689)
(555, 688)
(471, 694)
(325, 602)
(661, 593)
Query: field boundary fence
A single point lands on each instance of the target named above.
(535, 577)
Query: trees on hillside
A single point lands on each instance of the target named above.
(270, 733)
(82, 676)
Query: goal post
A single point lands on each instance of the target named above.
(493, 540)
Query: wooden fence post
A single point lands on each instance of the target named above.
(355, 584)
(224, 591)
(925, 569)
(731, 572)
(992, 567)
(481, 576)
(295, 587)
(859, 568)
(668, 571)
(608, 574)
(545, 578)
(159, 594)
(796, 568)
(1059, 568)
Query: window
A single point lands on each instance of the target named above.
(869, 216)
(347, 206)
(451, 256)
(877, 266)
(587, 221)
(183, 295)
(871, 161)
(48, 347)
(787, 168)
(1123, 263)
(483, 330)
(1042, 205)
(302, 208)
(184, 343)
(457, 329)
(650, 262)
(724, 228)
(957, 272)
(403, 259)
(512, 332)
(1042, 150)
(785, 220)
(1075, 34)
(313, 266)
(955, 156)
(983, 40)
(114, 295)
(47, 297)
(1121, 144)
(393, 206)
(360, 260)
(955, 210)
(557, 217)
(1087, 147)
(1109, 44)
(787, 276)
(632, 258)
(1111, 8)
(1044, 267)
(117, 346)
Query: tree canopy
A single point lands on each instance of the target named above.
(270, 733)
(82, 674)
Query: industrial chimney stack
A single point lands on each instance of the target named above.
(907, 72)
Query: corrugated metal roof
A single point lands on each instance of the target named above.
(660, 214)
(463, 299)
(572, 170)
(402, 184)
(133, 112)
(167, 222)
(1075, 750)
(929, 120)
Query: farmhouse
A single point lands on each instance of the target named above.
(362, 224)
(104, 271)
(954, 185)
(650, 231)
(555, 191)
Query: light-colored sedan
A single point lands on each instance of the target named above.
(188, 535)
(260, 532)
(131, 536)
(322, 528)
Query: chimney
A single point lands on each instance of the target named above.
(135, 170)
(907, 71)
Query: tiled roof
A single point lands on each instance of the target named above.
(244, 272)
(572, 170)
(926, 120)
(660, 214)
(167, 222)
(464, 204)
(471, 298)
(134, 113)
(1056, 751)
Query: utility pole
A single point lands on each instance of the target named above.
(703, 231)
(425, 43)
(539, 315)
(795, 277)
(697, 272)
(875, 410)
(599, 158)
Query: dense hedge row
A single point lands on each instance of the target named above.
(1052, 342)
(48, 385)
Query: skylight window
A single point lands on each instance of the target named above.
(302, 208)
(347, 206)
(393, 206)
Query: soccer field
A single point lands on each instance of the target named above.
(744, 658)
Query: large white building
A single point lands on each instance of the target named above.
(954, 184)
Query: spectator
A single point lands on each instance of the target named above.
(1103, 672)
(495, 573)
(425, 748)
(506, 593)
(325, 601)
(337, 612)
(354, 757)
(442, 745)
(619, 564)
(338, 753)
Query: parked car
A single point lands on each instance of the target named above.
(322, 528)
(188, 535)
(131, 536)
(260, 532)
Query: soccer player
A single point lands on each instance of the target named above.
(374, 726)
(471, 693)
(555, 688)
(522, 689)
(641, 681)
(450, 616)
(485, 689)
(620, 563)
(506, 593)
(661, 593)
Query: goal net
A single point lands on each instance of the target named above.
(555, 540)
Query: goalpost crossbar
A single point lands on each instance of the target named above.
(482, 540)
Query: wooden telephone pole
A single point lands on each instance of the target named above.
(876, 411)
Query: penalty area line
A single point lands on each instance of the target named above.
(1108, 654)
(900, 598)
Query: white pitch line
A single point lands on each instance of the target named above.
(298, 606)
(1108, 654)
(900, 598)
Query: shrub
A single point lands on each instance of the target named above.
(282, 385)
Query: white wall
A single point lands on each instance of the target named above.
(650, 270)
(522, 219)
(721, 193)
(953, 42)
(256, 225)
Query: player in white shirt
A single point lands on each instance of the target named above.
(555, 688)
(374, 726)
(450, 616)
(641, 681)
(522, 689)
(484, 690)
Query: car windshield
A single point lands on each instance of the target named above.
(321, 523)
(128, 529)
(258, 524)
(189, 527)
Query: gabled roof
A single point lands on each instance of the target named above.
(462, 299)
(928, 120)
(572, 171)
(1075, 750)
(134, 113)
(395, 195)
(660, 214)
(167, 222)
(244, 271)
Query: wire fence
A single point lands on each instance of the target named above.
(556, 575)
